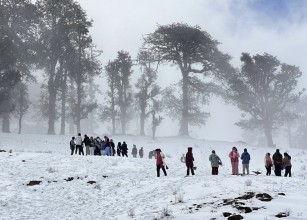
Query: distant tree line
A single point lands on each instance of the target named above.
(54, 37)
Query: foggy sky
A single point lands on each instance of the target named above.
(278, 27)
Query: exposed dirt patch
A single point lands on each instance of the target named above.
(34, 182)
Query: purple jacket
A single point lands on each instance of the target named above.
(189, 158)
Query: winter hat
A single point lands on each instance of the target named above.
(213, 151)
(245, 150)
(73, 138)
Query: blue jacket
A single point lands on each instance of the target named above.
(245, 157)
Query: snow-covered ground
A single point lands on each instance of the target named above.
(127, 188)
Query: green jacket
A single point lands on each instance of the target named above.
(214, 159)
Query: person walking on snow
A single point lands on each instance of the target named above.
(160, 163)
(72, 145)
(119, 148)
(277, 161)
(141, 152)
(134, 151)
(124, 149)
(215, 162)
(245, 157)
(268, 163)
(79, 144)
(234, 159)
(287, 163)
(87, 142)
(189, 161)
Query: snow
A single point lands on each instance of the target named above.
(127, 188)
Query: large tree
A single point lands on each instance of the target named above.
(59, 27)
(124, 64)
(196, 54)
(18, 19)
(147, 87)
(21, 102)
(109, 108)
(263, 89)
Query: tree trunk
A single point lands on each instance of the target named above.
(71, 126)
(268, 134)
(154, 132)
(63, 101)
(184, 128)
(52, 114)
(113, 124)
(78, 108)
(21, 110)
(6, 123)
(20, 122)
(52, 98)
(289, 134)
(142, 122)
(123, 113)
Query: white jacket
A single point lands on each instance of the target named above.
(78, 140)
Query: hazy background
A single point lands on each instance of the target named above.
(278, 27)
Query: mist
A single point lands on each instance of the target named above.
(255, 27)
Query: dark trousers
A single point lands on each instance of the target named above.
(288, 171)
(124, 154)
(215, 170)
(81, 150)
(188, 171)
(277, 169)
(268, 170)
(158, 170)
(72, 150)
(78, 148)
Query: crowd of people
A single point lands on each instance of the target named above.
(106, 147)
(101, 147)
(278, 162)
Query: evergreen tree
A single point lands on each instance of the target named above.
(195, 53)
(263, 89)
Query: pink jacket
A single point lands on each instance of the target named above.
(268, 161)
(234, 156)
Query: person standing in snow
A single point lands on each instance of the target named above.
(182, 158)
(107, 149)
(277, 161)
(234, 159)
(160, 163)
(124, 149)
(215, 162)
(189, 161)
(287, 163)
(102, 147)
(72, 145)
(141, 152)
(134, 151)
(245, 157)
(112, 147)
(87, 142)
(79, 144)
(119, 148)
(268, 163)
(92, 146)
